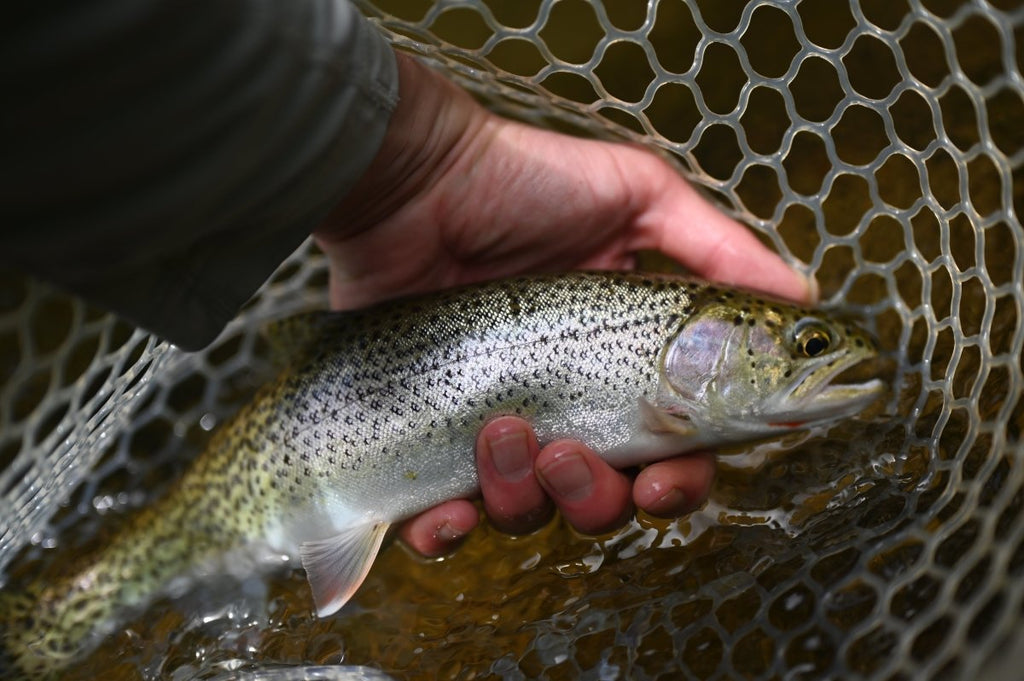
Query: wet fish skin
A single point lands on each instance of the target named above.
(376, 416)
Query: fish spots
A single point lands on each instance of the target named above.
(426, 379)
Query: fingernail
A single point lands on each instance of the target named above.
(510, 453)
(671, 503)
(569, 476)
(448, 534)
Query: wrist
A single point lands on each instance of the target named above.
(433, 124)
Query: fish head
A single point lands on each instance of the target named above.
(741, 368)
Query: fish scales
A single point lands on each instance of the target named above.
(376, 415)
(571, 357)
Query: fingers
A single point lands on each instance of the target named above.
(714, 246)
(592, 496)
(522, 484)
(672, 488)
(513, 498)
(679, 222)
(439, 530)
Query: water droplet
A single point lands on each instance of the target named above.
(208, 422)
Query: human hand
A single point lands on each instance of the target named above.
(456, 195)
(520, 480)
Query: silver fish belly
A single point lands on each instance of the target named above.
(382, 411)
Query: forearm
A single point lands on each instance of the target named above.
(162, 157)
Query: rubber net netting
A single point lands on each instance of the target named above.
(878, 145)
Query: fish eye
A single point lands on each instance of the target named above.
(812, 338)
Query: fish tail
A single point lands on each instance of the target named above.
(47, 624)
(55, 619)
(40, 634)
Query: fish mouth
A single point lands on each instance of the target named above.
(838, 395)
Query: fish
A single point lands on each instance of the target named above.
(374, 416)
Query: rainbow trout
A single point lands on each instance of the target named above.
(375, 419)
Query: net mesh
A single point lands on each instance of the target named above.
(878, 145)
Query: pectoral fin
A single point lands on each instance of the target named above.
(660, 421)
(335, 567)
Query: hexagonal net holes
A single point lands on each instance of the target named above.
(878, 146)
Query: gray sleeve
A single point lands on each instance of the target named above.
(162, 157)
